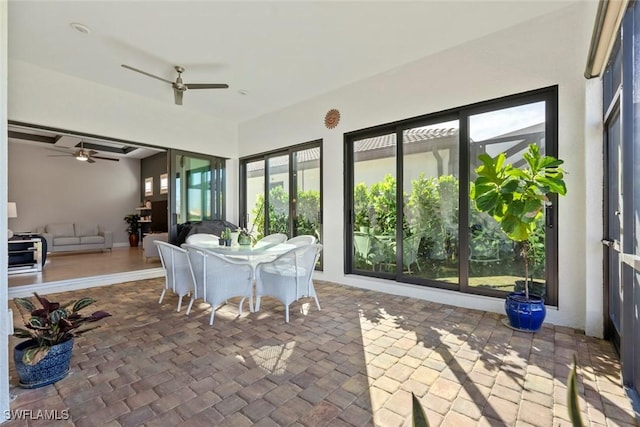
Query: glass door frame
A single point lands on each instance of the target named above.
(218, 191)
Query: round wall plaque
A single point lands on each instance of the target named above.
(332, 118)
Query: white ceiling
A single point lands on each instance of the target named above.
(281, 53)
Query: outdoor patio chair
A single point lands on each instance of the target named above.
(289, 277)
(410, 247)
(273, 238)
(202, 239)
(219, 278)
(305, 239)
(372, 250)
(177, 272)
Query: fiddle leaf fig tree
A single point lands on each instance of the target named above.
(516, 197)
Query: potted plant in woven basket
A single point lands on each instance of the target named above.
(45, 356)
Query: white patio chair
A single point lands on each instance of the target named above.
(196, 264)
(202, 239)
(288, 277)
(220, 278)
(305, 239)
(177, 272)
(273, 238)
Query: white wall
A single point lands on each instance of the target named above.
(546, 51)
(62, 189)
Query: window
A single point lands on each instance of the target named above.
(148, 186)
(164, 183)
(408, 215)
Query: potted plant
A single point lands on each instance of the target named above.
(45, 356)
(226, 236)
(516, 198)
(133, 228)
(244, 237)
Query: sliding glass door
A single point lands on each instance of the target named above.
(277, 200)
(408, 216)
(197, 184)
(281, 191)
(430, 202)
(305, 194)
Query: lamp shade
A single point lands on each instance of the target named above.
(12, 211)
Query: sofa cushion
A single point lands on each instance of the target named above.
(86, 229)
(63, 241)
(91, 240)
(60, 230)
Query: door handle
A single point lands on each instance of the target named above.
(613, 244)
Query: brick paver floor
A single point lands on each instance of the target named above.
(355, 363)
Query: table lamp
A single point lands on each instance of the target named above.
(12, 212)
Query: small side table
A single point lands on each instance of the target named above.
(25, 255)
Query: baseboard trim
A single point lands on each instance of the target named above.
(84, 282)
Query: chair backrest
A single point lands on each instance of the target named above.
(202, 238)
(299, 264)
(362, 243)
(196, 258)
(274, 238)
(410, 247)
(176, 267)
(216, 276)
(305, 239)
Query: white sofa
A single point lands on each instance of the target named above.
(67, 237)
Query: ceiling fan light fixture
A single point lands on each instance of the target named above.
(82, 156)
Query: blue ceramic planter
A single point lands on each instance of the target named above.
(525, 315)
(53, 367)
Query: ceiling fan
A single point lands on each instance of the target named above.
(178, 86)
(85, 155)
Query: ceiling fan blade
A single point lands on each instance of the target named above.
(91, 152)
(105, 158)
(177, 94)
(207, 86)
(146, 74)
(61, 150)
(90, 160)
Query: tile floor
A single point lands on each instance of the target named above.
(355, 363)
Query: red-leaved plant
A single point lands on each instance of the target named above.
(53, 324)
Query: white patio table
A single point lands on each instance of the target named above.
(252, 255)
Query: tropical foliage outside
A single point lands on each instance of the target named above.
(308, 208)
(430, 234)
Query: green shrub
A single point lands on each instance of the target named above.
(308, 206)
